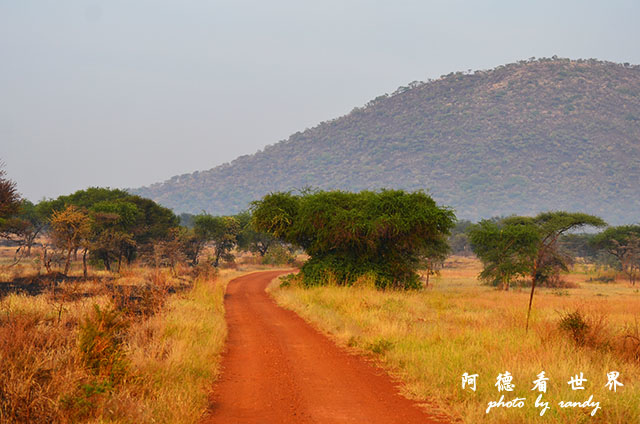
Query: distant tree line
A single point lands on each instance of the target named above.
(387, 235)
(110, 227)
(541, 247)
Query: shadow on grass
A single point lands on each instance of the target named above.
(36, 284)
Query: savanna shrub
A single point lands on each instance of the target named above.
(101, 344)
(575, 324)
(204, 270)
(337, 269)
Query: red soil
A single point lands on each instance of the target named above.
(278, 369)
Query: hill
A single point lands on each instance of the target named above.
(521, 138)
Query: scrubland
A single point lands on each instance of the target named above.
(428, 339)
(143, 345)
(137, 346)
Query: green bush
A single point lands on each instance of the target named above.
(387, 234)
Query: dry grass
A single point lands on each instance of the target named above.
(430, 338)
(39, 361)
(166, 354)
(175, 355)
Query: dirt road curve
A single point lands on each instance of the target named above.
(277, 369)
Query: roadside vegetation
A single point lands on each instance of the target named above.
(430, 338)
(110, 311)
(111, 306)
(431, 334)
(140, 346)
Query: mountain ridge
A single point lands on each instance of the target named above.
(520, 138)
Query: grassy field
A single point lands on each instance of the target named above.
(148, 353)
(428, 339)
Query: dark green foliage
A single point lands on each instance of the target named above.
(250, 239)
(506, 251)
(521, 138)
(154, 222)
(385, 234)
(219, 231)
(85, 199)
(122, 224)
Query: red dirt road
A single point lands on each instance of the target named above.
(278, 369)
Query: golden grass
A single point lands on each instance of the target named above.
(175, 356)
(428, 339)
(172, 355)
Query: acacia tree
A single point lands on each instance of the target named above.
(192, 245)
(69, 230)
(122, 225)
(623, 243)
(433, 258)
(170, 251)
(506, 251)
(219, 231)
(535, 240)
(30, 222)
(251, 239)
(551, 226)
(384, 234)
(23, 228)
(109, 241)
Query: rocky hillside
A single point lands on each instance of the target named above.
(521, 138)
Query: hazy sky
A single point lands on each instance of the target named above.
(127, 93)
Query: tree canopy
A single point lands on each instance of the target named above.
(623, 243)
(220, 231)
(250, 239)
(522, 245)
(507, 251)
(386, 234)
(121, 225)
